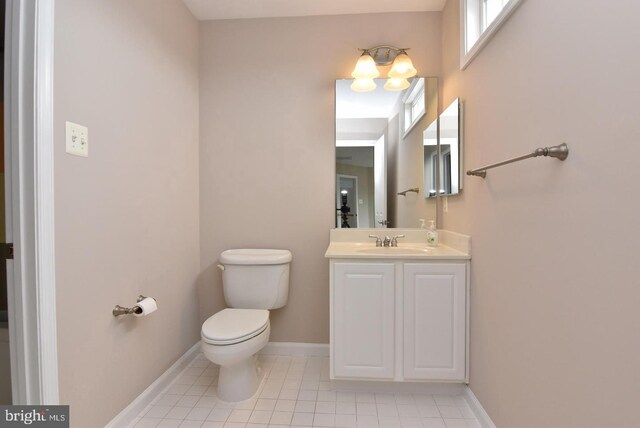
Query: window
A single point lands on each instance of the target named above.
(490, 10)
(414, 105)
(417, 107)
(479, 20)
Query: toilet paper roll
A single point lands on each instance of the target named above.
(145, 307)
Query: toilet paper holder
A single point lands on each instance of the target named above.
(120, 310)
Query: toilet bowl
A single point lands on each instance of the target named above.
(230, 338)
(254, 282)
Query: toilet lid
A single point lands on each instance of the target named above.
(231, 326)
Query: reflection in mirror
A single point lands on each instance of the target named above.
(379, 153)
(430, 159)
(355, 178)
(443, 162)
(451, 149)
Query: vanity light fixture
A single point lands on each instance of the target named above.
(366, 68)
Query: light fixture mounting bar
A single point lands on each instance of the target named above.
(384, 54)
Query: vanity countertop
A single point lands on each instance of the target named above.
(356, 244)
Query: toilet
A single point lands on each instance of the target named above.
(254, 281)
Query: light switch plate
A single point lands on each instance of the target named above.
(77, 139)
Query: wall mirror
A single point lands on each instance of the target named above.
(443, 162)
(379, 154)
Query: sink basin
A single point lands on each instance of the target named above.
(356, 245)
(395, 250)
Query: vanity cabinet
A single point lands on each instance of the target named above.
(399, 320)
(434, 321)
(364, 316)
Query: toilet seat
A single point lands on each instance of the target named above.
(231, 326)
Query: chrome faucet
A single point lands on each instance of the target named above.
(387, 242)
(378, 240)
(394, 240)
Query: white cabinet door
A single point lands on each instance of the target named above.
(363, 320)
(434, 321)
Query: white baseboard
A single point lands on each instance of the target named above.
(482, 416)
(129, 413)
(399, 387)
(296, 349)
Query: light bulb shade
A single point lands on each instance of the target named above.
(396, 84)
(363, 85)
(365, 68)
(402, 67)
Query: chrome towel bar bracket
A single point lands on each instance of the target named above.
(404, 193)
(559, 152)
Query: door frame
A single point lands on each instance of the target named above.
(29, 195)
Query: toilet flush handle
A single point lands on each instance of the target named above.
(221, 267)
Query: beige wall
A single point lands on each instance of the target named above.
(267, 158)
(554, 327)
(127, 216)
(393, 139)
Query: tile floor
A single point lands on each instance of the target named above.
(296, 392)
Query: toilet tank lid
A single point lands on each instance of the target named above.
(255, 257)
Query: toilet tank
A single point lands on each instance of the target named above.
(256, 278)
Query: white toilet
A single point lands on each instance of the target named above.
(254, 281)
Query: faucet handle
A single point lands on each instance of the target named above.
(394, 241)
(378, 240)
